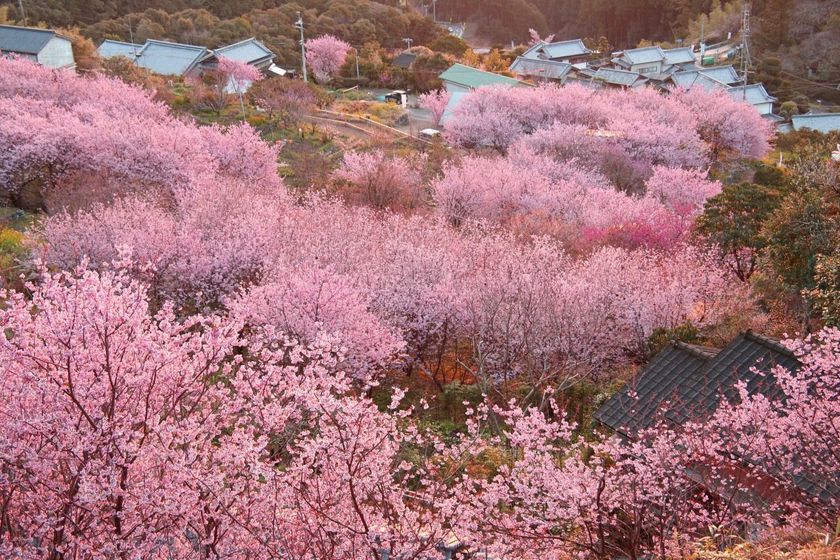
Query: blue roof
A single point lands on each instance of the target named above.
(248, 51)
(565, 49)
(25, 40)
(679, 55)
(110, 48)
(689, 80)
(170, 59)
(549, 69)
(643, 55)
(822, 122)
(754, 94)
(618, 77)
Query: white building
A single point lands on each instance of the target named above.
(44, 46)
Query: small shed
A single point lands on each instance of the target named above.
(404, 60)
(44, 46)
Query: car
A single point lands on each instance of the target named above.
(398, 96)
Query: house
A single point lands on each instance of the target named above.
(539, 69)
(681, 57)
(459, 80)
(44, 46)
(570, 52)
(177, 59)
(650, 61)
(250, 51)
(725, 75)
(110, 48)
(755, 95)
(686, 382)
(644, 60)
(404, 60)
(821, 122)
(171, 59)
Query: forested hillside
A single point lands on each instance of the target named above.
(216, 22)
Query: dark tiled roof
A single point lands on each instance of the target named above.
(664, 381)
(404, 60)
(748, 358)
(692, 380)
(684, 382)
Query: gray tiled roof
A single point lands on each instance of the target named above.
(693, 380)
(167, 58)
(725, 74)
(755, 94)
(618, 77)
(548, 69)
(110, 48)
(680, 55)
(643, 55)
(556, 50)
(24, 40)
(565, 49)
(823, 122)
(748, 358)
(249, 51)
(688, 80)
(661, 383)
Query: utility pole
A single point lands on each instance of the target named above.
(745, 46)
(299, 25)
(434, 10)
(22, 12)
(356, 56)
(408, 41)
(131, 37)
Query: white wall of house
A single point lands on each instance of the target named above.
(57, 53)
(647, 68)
(764, 108)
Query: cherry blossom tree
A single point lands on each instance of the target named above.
(238, 76)
(382, 181)
(135, 434)
(435, 102)
(88, 139)
(325, 55)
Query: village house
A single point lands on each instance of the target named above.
(177, 59)
(755, 95)
(459, 80)
(44, 46)
(570, 52)
(687, 382)
(652, 61)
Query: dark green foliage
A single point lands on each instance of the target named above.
(449, 44)
(733, 221)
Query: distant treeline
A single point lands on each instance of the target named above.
(216, 22)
